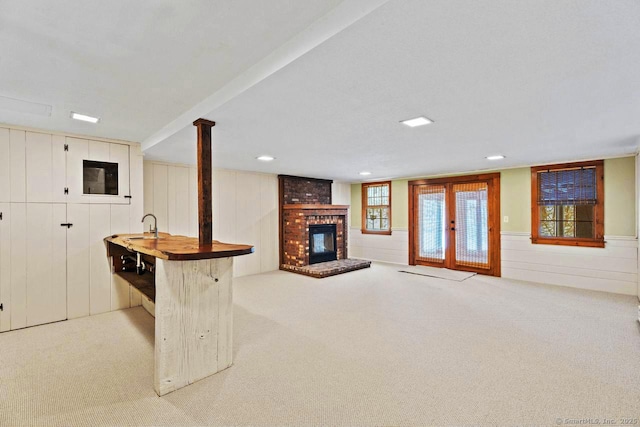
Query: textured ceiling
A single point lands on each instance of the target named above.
(322, 84)
(537, 81)
(135, 64)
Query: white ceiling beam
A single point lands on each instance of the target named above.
(339, 18)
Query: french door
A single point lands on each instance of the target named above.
(454, 223)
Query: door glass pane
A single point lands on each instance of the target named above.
(431, 240)
(471, 224)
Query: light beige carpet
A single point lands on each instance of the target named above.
(440, 273)
(372, 347)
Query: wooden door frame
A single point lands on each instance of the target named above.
(413, 211)
(493, 181)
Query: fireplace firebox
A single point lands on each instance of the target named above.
(322, 243)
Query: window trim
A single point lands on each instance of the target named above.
(364, 206)
(598, 240)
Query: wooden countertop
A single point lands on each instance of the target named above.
(177, 248)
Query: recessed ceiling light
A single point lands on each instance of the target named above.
(365, 173)
(84, 117)
(495, 157)
(418, 121)
(265, 158)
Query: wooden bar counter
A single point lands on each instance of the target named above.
(191, 286)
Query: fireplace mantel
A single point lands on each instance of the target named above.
(316, 207)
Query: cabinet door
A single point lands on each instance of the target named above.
(39, 170)
(78, 150)
(78, 277)
(119, 153)
(99, 152)
(5, 267)
(45, 168)
(81, 150)
(5, 166)
(136, 185)
(18, 256)
(59, 168)
(17, 165)
(46, 277)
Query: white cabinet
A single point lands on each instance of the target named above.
(78, 273)
(45, 167)
(32, 264)
(18, 165)
(99, 151)
(5, 166)
(46, 272)
(50, 272)
(136, 183)
(91, 288)
(77, 151)
(80, 150)
(119, 153)
(5, 267)
(18, 292)
(38, 167)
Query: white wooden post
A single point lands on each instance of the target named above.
(194, 321)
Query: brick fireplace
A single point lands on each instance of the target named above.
(313, 232)
(296, 222)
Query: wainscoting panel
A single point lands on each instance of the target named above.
(245, 209)
(610, 269)
(613, 268)
(247, 195)
(268, 223)
(160, 204)
(375, 247)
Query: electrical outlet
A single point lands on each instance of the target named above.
(506, 219)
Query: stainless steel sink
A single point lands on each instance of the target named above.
(144, 238)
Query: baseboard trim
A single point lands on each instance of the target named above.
(515, 233)
(625, 238)
(382, 262)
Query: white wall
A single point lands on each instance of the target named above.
(613, 268)
(341, 193)
(375, 247)
(245, 209)
(48, 272)
(638, 219)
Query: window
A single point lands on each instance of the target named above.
(567, 204)
(99, 177)
(376, 208)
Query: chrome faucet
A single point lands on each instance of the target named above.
(155, 224)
